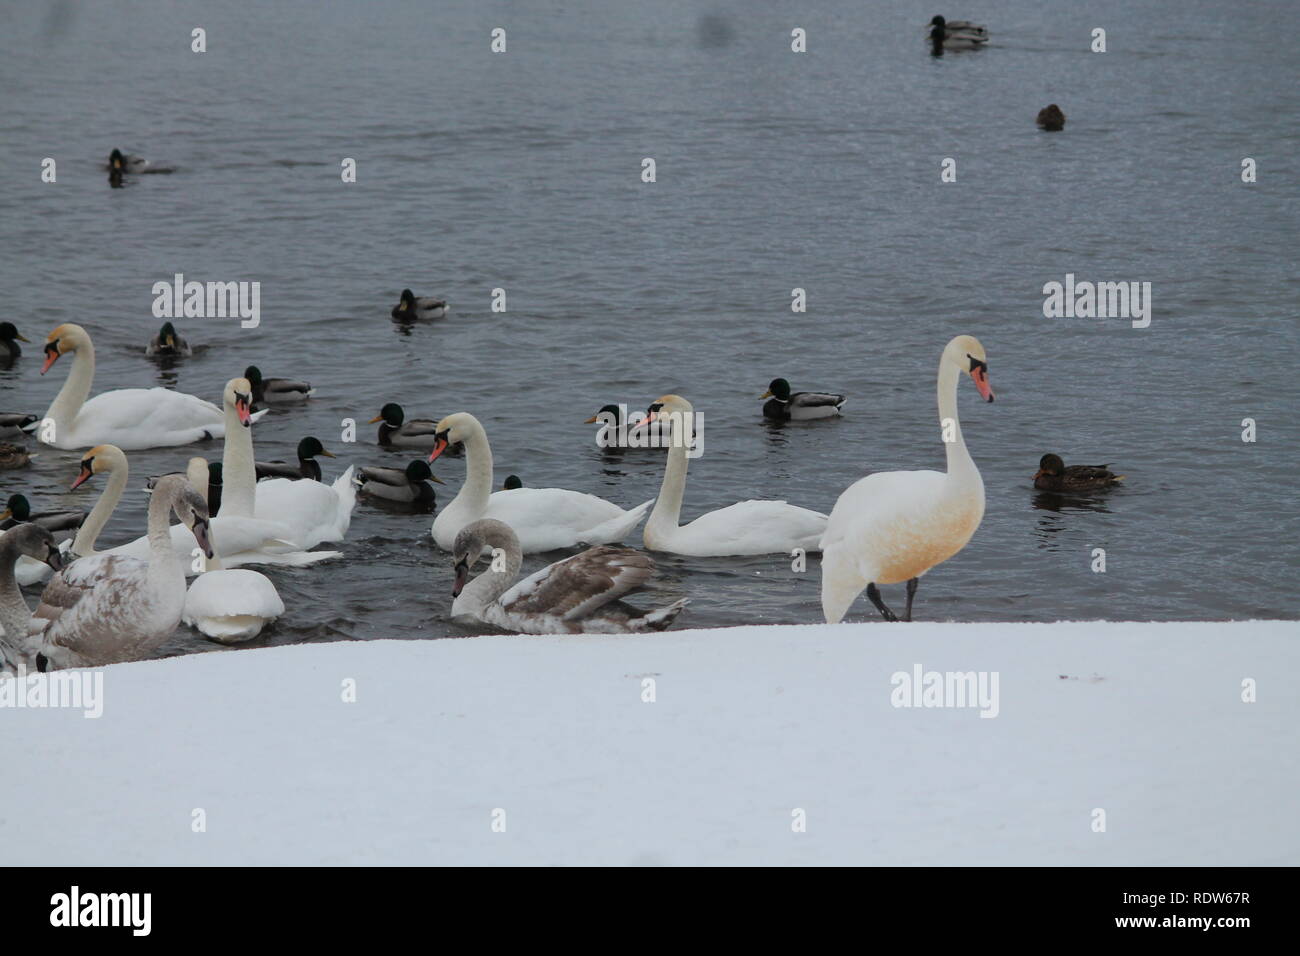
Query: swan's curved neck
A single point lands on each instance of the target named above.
(490, 585)
(84, 544)
(14, 612)
(959, 460)
(63, 410)
(477, 489)
(238, 469)
(668, 507)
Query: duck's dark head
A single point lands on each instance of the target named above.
(310, 447)
(938, 21)
(608, 415)
(406, 301)
(512, 482)
(17, 507)
(1050, 466)
(116, 160)
(779, 389)
(167, 335)
(391, 415)
(8, 332)
(418, 470)
(254, 375)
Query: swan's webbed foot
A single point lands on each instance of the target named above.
(873, 592)
(911, 593)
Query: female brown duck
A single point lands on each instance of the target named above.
(1053, 475)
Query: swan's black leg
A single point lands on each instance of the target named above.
(911, 593)
(874, 593)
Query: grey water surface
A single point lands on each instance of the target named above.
(775, 170)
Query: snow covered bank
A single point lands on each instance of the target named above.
(748, 726)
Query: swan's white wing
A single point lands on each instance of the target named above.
(134, 418)
(314, 512)
(549, 518)
(749, 527)
(575, 587)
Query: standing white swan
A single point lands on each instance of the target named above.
(130, 418)
(747, 527)
(545, 519)
(568, 597)
(311, 512)
(894, 526)
(110, 608)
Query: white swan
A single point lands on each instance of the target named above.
(747, 527)
(567, 597)
(545, 519)
(110, 608)
(311, 512)
(130, 418)
(36, 544)
(894, 526)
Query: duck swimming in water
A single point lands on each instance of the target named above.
(9, 339)
(784, 405)
(17, 425)
(1054, 475)
(307, 466)
(168, 343)
(956, 35)
(411, 307)
(397, 432)
(1050, 118)
(409, 485)
(276, 391)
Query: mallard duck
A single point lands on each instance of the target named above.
(62, 524)
(307, 466)
(410, 307)
(1051, 118)
(409, 485)
(119, 162)
(17, 425)
(511, 483)
(275, 391)
(13, 456)
(397, 432)
(168, 342)
(1053, 475)
(618, 430)
(784, 405)
(9, 339)
(956, 35)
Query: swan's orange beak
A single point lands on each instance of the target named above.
(82, 478)
(981, 375)
(51, 356)
(440, 445)
(241, 409)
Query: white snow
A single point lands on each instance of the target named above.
(748, 725)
